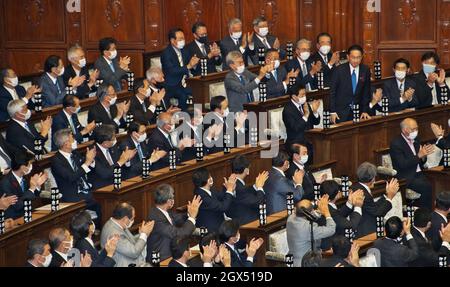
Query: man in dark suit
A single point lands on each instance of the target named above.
(372, 209)
(427, 256)
(346, 217)
(155, 77)
(214, 202)
(106, 111)
(192, 128)
(408, 159)
(61, 242)
(325, 55)
(394, 254)
(38, 253)
(278, 185)
(78, 68)
(260, 38)
(350, 85)
(68, 118)
(299, 161)
(14, 183)
(112, 70)
(245, 206)
(176, 64)
(203, 49)
(401, 90)
(19, 133)
(144, 103)
(108, 157)
(304, 65)
(235, 41)
(278, 79)
(429, 81)
(299, 115)
(71, 171)
(11, 90)
(439, 218)
(168, 224)
(342, 248)
(7, 153)
(443, 142)
(229, 235)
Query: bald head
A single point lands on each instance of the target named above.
(409, 128)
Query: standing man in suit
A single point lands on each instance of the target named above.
(202, 48)
(106, 111)
(38, 253)
(214, 202)
(168, 224)
(240, 83)
(408, 159)
(68, 118)
(229, 235)
(11, 90)
(192, 128)
(298, 228)
(14, 183)
(299, 161)
(108, 157)
(78, 68)
(176, 64)
(262, 39)
(430, 81)
(245, 206)
(278, 185)
(143, 104)
(155, 77)
(235, 41)
(439, 218)
(394, 254)
(299, 115)
(350, 85)
(131, 249)
(111, 69)
(427, 256)
(325, 55)
(372, 209)
(19, 133)
(401, 91)
(278, 79)
(305, 65)
(71, 172)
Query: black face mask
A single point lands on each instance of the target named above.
(160, 85)
(203, 40)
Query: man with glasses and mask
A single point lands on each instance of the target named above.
(38, 253)
(131, 249)
(61, 242)
(278, 79)
(235, 41)
(260, 38)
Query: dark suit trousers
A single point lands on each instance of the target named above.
(420, 184)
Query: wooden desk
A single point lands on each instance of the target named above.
(352, 144)
(13, 244)
(440, 180)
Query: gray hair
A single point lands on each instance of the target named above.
(102, 91)
(366, 172)
(303, 41)
(233, 22)
(259, 20)
(36, 246)
(153, 72)
(164, 193)
(233, 56)
(15, 106)
(72, 50)
(61, 137)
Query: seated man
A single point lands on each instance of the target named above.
(439, 218)
(14, 183)
(157, 84)
(78, 68)
(168, 224)
(278, 185)
(298, 228)
(112, 70)
(408, 159)
(325, 55)
(192, 128)
(344, 253)
(68, 118)
(372, 209)
(229, 235)
(278, 79)
(131, 249)
(245, 206)
(236, 40)
(214, 202)
(401, 90)
(19, 133)
(38, 253)
(393, 253)
(299, 161)
(108, 157)
(240, 83)
(11, 90)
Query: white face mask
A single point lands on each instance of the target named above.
(27, 115)
(198, 121)
(263, 32)
(77, 110)
(74, 145)
(142, 138)
(237, 238)
(226, 113)
(276, 64)
(148, 93)
(68, 244)
(114, 143)
(14, 82)
(305, 56)
(400, 75)
(113, 101)
(113, 55)
(412, 136)
(236, 35)
(304, 159)
(240, 70)
(171, 128)
(302, 101)
(93, 228)
(181, 44)
(449, 123)
(130, 224)
(61, 72)
(211, 181)
(428, 69)
(82, 63)
(29, 170)
(325, 49)
(47, 261)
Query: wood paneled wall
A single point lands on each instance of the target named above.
(33, 29)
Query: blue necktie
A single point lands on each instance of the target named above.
(22, 185)
(141, 154)
(275, 76)
(58, 87)
(111, 64)
(250, 98)
(354, 81)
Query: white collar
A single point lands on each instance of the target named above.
(31, 263)
(201, 45)
(64, 256)
(22, 124)
(139, 99)
(407, 139)
(90, 241)
(262, 38)
(107, 60)
(400, 83)
(66, 155)
(194, 128)
(108, 109)
(11, 91)
(67, 115)
(445, 218)
(207, 191)
(366, 187)
(177, 50)
(421, 233)
(181, 263)
(219, 116)
(135, 142)
(280, 171)
(116, 223)
(230, 245)
(166, 214)
(243, 182)
(52, 78)
(164, 133)
(302, 167)
(296, 104)
(19, 179)
(301, 61)
(332, 205)
(104, 150)
(355, 69)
